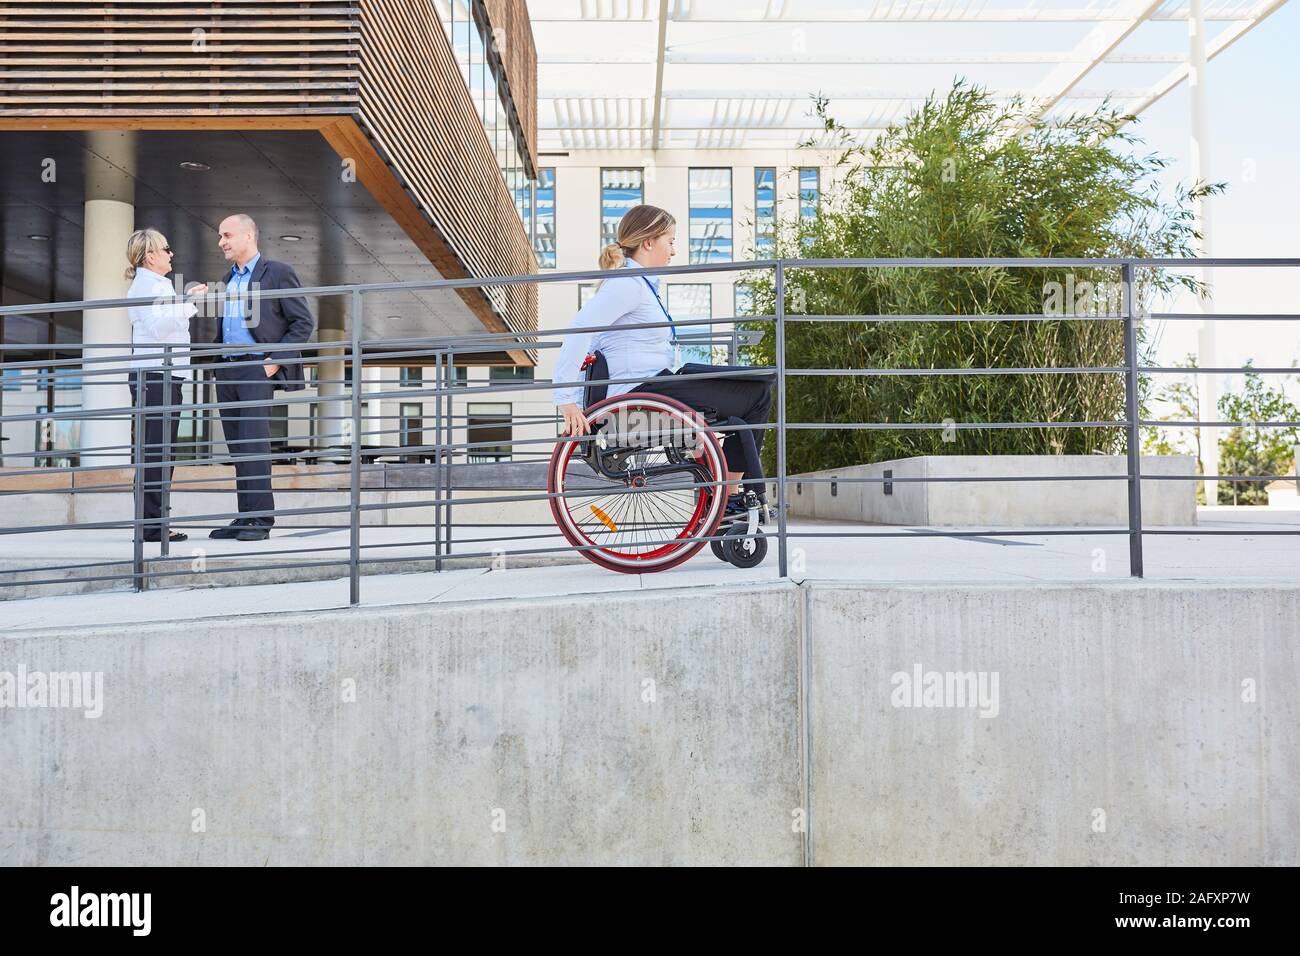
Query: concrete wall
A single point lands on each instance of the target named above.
(1000, 504)
(1119, 699)
(1119, 706)
(533, 708)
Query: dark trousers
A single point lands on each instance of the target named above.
(155, 428)
(248, 435)
(748, 400)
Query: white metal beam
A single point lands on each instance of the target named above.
(1225, 39)
(903, 16)
(918, 59)
(659, 71)
(1099, 43)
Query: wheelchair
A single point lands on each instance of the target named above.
(639, 491)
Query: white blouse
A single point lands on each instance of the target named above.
(627, 302)
(163, 320)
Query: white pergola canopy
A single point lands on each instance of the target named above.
(738, 74)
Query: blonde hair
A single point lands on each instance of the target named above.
(141, 243)
(637, 225)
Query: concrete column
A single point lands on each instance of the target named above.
(1207, 356)
(109, 221)
(333, 311)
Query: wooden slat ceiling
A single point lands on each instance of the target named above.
(385, 64)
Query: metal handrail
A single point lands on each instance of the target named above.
(439, 352)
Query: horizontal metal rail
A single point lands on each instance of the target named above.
(336, 456)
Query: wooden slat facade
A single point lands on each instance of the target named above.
(378, 78)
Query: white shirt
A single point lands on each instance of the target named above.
(160, 321)
(625, 301)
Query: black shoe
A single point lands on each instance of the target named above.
(253, 532)
(738, 506)
(174, 536)
(231, 530)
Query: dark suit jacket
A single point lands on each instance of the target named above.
(281, 320)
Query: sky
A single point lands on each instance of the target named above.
(1253, 99)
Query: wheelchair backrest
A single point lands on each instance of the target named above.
(597, 368)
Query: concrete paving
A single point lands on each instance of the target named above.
(908, 556)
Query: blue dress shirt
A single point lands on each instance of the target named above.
(233, 329)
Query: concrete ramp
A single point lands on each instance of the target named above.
(775, 723)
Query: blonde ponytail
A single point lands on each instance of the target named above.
(612, 256)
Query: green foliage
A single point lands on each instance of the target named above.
(1251, 449)
(1183, 402)
(966, 176)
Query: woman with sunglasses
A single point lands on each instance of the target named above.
(162, 320)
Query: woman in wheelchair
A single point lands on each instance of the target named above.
(653, 478)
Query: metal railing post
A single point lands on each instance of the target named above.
(354, 506)
(137, 482)
(437, 461)
(781, 539)
(165, 475)
(448, 418)
(1131, 407)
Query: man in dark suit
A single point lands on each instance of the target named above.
(252, 375)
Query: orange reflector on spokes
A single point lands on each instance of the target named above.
(605, 519)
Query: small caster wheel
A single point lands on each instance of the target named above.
(742, 551)
(717, 550)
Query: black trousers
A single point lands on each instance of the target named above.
(748, 400)
(155, 427)
(248, 435)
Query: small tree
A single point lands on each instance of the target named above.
(1185, 401)
(965, 176)
(1253, 449)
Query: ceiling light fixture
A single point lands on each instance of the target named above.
(291, 238)
(38, 237)
(195, 167)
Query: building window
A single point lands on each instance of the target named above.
(692, 300)
(13, 380)
(585, 291)
(59, 435)
(476, 53)
(764, 211)
(460, 376)
(744, 299)
(522, 189)
(709, 198)
(412, 426)
(620, 190)
(412, 376)
(544, 218)
(510, 373)
(62, 377)
(489, 423)
(810, 192)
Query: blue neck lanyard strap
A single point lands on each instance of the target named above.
(673, 330)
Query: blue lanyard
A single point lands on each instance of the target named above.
(673, 330)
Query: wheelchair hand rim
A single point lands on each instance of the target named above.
(709, 503)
